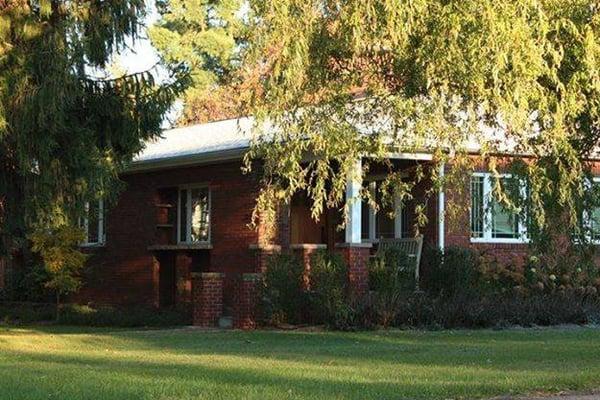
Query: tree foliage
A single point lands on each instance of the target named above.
(59, 251)
(65, 130)
(206, 35)
(349, 78)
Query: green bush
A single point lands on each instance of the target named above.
(452, 272)
(74, 314)
(283, 296)
(330, 303)
(392, 270)
(391, 278)
(25, 313)
(497, 311)
(26, 284)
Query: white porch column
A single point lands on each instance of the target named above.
(398, 218)
(354, 203)
(441, 210)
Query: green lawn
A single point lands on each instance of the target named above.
(64, 363)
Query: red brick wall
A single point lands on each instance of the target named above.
(207, 298)
(357, 259)
(246, 299)
(123, 271)
(458, 229)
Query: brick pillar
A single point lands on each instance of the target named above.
(155, 282)
(356, 256)
(284, 229)
(183, 278)
(262, 255)
(246, 302)
(207, 296)
(305, 253)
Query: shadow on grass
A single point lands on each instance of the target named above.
(191, 377)
(386, 364)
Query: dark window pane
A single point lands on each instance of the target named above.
(364, 220)
(505, 223)
(405, 223)
(199, 215)
(92, 231)
(183, 215)
(385, 221)
(477, 214)
(595, 223)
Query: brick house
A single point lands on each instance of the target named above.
(179, 233)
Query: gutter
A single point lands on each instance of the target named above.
(185, 160)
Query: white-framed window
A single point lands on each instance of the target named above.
(193, 215)
(93, 224)
(591, 216)
(490, 220)
(385, 223)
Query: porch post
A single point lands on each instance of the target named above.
(353, 200)
(354, 252)
(441, 209)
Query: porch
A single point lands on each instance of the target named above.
(366, 226)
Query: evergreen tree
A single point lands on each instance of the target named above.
(207, 35)
(65, 133)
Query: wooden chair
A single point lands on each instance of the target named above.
(411, 246)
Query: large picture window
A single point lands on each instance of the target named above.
(491, 220)
(386, 223)
(93, 224)
(194, 215)
(592, 214)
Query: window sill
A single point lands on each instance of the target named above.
(376, 241)
(500, 240)
(92, 245)
(181, 246)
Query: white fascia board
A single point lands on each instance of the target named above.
(186, 160)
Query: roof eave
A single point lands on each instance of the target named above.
(185, 160)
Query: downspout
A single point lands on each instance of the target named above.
(441, 206)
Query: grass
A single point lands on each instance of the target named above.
(70, 363)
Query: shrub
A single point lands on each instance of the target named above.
(26, 284)
(392, 271)
(391, 277)
(59, 249)
(84, 315)
(495, 311)
(454, 271)
(26, 313)
(579, 277)
(283, 295)
(73, 314)
(330, 303)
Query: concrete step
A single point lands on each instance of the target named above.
(226, 322)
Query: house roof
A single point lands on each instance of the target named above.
(212, 141)
(229, 139)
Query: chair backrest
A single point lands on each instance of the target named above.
(411, 246)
